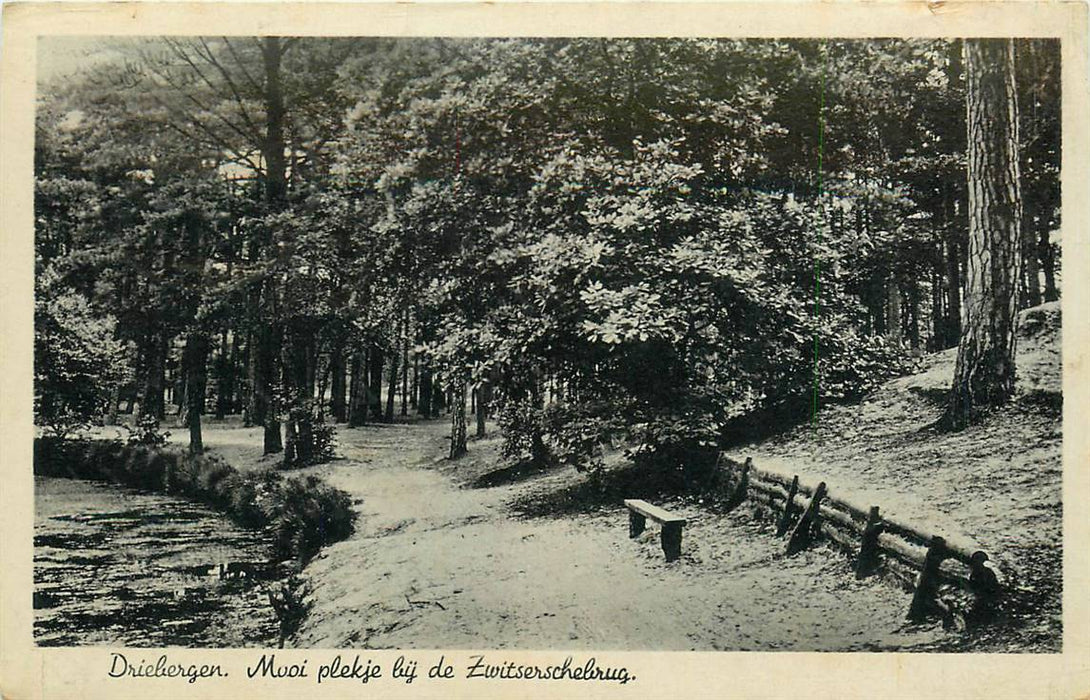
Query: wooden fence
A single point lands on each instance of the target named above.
(922, 562)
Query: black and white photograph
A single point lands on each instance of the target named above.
(525, 343)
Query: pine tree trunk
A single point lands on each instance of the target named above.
(405, 367)
(914, 312)
(222, 372)
(251, 373)
(391, 387)
(264, 409)
(984, 374)
(357, 391)
(375, 362)
(482, 407)
(458, 420)
(195, 367)
(425, 391)
(953, 292)
(299, 380)
(1032, 276)
(1048, 262)
(338, 381)
(938, 326)
(438, 397)
(152, 400)
(893, 310)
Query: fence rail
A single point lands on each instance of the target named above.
(921, 561)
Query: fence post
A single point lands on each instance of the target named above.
(927, 581)
(868, 549)
(788, 506)
(808, 523)
(985, 585)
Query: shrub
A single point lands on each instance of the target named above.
(302, 514)
(146, 433)
(76, 358)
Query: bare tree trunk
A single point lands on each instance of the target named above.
(938, 324)
(405, 365)
(482, 407)
(458, 420)
(375, 362)
(953, 292)
(223, 370)
(338, 381)
(893, 310)
(195, 364)
(984, 374)
(1048, 262)
(425, 391)
(914, 312)
(391, 386)
(1032, 275)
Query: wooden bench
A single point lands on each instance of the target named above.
(640, 511)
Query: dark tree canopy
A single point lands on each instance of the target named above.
(672, 242)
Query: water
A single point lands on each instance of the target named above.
(122, 567)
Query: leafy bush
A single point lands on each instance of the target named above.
(146, 433)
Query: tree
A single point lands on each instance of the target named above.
(984, 374)
(75, 358)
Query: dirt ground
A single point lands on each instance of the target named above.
(439, 565)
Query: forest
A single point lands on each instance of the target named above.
(675, 244)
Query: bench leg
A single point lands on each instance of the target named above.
(671, 541)
(636, 523)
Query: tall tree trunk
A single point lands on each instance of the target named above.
(414, 387)
(483, 393)
(425, 391)
(893, 310)
(357, 393)
(249, 400)
(1032, 266)
(458, 420)
(938, 315)
(222, 373)
(195, 367)
(298, 373)
(984, 374)
(154, 404)
(265, 411)
(1048, 262)
(114, 406)
(540, 454)
(276, 190)
(953, 291)
(914, 312)
(391, 387)
(234, 386)
(375, 361)
(405, 365)
(338, 382)
(438, 396)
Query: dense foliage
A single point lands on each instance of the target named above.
(599, 240)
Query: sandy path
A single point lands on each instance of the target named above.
(436, 566)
